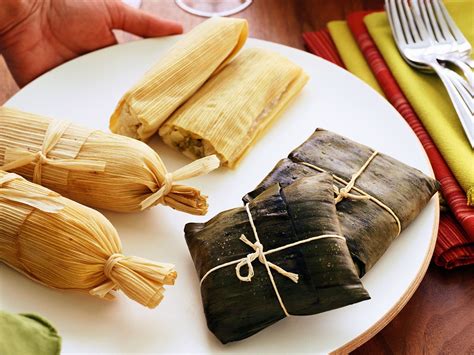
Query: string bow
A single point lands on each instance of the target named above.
(260, 255)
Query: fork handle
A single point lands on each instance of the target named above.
(465, 116)
(466, 69)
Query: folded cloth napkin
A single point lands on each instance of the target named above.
(27, 334)
(350, 53)
(428, 97)
(454, 244)
(321, 44)
(453, 247)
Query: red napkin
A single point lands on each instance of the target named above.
(455, 244)
(321, 44)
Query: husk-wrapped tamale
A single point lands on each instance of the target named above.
(305, 268)
(177, 76)
(64, 245)
(233, 108)
(97, 169)
(397, 192)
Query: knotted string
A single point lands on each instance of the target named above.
(110, 263)
(258, 247)
(260, 254)
(344, 192)
(45, 203)
(196, 168)
(20, 157)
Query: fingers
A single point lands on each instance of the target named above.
(142, 24)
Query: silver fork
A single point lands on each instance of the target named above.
(416, 46)
(451, 45)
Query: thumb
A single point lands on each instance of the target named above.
(141, 23)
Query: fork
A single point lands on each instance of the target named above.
(416, 46)
(451, 45)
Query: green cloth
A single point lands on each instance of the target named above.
(428, 97)
(27, 334)
(351, 55)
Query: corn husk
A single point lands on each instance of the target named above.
(233, 108)
(177, 76)
(98, 169)
(64, 245)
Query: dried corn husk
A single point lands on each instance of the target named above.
(97, 169)
(62, 244)
(232, 109)
(177, 76)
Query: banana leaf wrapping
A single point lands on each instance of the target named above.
(177, 75)
(98, 169)
(368, 227)
(327, 275)
(234, 107)
(64, 245)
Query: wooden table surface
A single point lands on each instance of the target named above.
(440, 316)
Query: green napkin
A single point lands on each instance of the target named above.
(27, 334)
(351, 55)
(428, 97)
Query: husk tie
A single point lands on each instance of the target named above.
(18, 157)
(140, 279)
(197, 168)
(49, 204)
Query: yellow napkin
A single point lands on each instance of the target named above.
(428, 97)
(350, 53)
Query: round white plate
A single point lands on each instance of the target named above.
(86, 90)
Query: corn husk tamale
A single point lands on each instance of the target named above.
(233, 108)
(64, 245)
(178, 75)
(368, 227)
(98, 169)
(325, 275)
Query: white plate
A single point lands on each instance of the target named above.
(86, 91)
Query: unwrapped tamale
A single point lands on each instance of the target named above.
(295, 261)
(229, 112)
(64, 245)
(177, 75)
(386, 196)
(98, 169)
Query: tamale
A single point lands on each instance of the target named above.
(234, 107)
(64, 245)
(309, 269)
(369, 226)
(98, 169)
(177, 75)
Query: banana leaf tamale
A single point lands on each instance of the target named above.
(289, 242)
(234, 107)
(177, 75)
(95, 168)
(383, 198)
(64, 245)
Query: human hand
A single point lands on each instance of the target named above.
(38, 35)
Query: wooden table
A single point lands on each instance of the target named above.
(440, 316)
